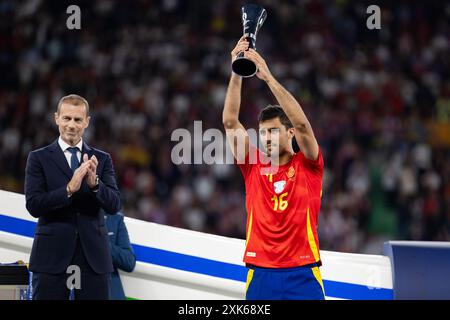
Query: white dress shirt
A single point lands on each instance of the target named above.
(64, 146)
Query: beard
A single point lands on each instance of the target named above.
(272, 151)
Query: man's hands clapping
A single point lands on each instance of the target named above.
(91, 173)
(87, 170)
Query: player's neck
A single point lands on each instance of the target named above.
(283, 159)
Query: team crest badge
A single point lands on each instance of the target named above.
(279, 186)
(291, 172)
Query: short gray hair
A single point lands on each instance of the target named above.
(75, 100)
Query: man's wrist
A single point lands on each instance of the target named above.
(235, 77)
(69, 191)
(94, 188)
(270, 80)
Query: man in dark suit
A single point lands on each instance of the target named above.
(122, 253)
(66, 185)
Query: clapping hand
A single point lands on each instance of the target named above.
(91, 171)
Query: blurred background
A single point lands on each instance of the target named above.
(378, 101)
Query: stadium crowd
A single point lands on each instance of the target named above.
(378, 101)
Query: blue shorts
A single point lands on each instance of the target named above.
(299, 283)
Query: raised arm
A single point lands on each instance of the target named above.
(303, 131)
(236, 134)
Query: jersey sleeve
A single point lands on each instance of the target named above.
(315, 167)
(251, 159)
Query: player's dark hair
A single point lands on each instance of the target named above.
(274, 111)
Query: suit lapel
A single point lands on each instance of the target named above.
(58, 157)
(86, 149)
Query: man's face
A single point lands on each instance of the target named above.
(72, 120)
(274, 137)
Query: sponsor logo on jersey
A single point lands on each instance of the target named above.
(279, 186)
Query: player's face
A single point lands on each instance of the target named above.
(72, 121)
(273, 136)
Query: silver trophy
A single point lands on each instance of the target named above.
(253, 17)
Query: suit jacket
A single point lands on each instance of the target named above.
(122, 253)
(63, 218)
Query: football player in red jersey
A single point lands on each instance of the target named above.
(283, 191)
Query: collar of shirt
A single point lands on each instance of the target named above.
(63, 145)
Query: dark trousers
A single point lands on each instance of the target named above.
(93, 286)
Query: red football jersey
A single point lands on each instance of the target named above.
(283, 205)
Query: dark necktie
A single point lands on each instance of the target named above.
(73, 158)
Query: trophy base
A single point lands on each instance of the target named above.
(244, 67)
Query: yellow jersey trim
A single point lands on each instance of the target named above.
(318, 277)
(311, 240)
(249, 231)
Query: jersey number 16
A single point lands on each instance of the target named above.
(279, 202)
